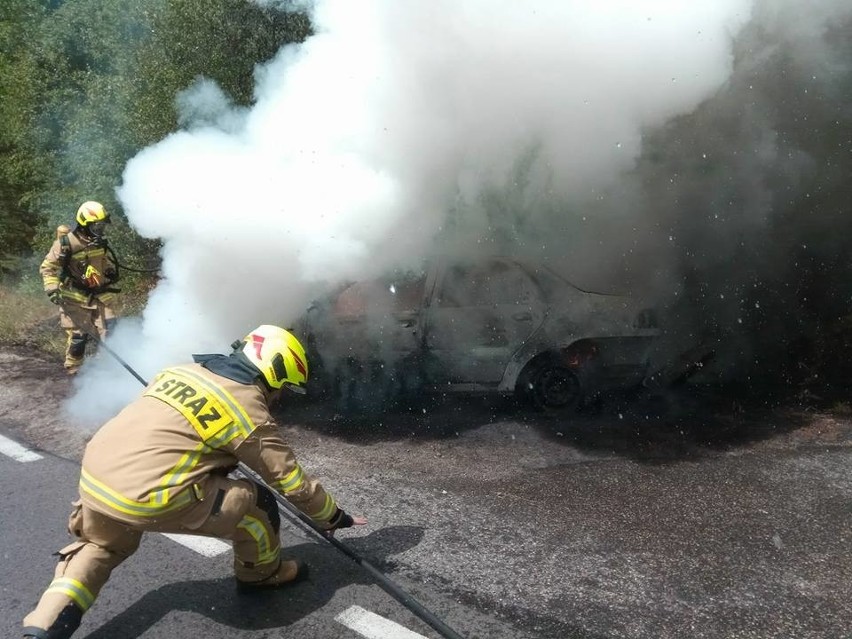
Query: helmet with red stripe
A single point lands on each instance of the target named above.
(278, 355)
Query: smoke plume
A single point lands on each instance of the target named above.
(634, 145)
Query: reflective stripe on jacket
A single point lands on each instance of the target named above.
(154, 457)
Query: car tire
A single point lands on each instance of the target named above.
(554, 387)
(364, 387)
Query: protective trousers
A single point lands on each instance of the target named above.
(80, 321)
(238, 510)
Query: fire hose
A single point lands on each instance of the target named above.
(296, 516)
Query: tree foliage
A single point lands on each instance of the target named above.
(86, 84)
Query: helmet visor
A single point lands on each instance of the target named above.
(97, 229)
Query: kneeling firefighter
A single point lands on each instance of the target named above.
(78, 274)
(162, 465)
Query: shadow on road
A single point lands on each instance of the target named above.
(218, 600)
(659, 427)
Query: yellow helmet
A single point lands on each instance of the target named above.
(278, 355)
(91, 212)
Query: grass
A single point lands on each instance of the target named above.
(28, 319)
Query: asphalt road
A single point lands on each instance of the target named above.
(170, 590)
(705, 518)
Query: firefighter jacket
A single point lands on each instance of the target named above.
(81, 269)
(155, 457)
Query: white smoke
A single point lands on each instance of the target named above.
(362, 138)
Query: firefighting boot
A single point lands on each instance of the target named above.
(62, 628)
(289, 572)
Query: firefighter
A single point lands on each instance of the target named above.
(78, 273)
(162, 465)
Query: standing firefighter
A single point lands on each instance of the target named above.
(162, 465)
(78, 274)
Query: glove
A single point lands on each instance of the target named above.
(54, 296)
(340, 520)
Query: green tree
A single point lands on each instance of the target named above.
(87, 84)
(22, 166)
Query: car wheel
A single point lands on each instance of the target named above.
(555, 387)
(363, 386)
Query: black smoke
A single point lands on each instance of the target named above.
(747, 203)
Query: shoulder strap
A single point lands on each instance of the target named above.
(65, 245)
(64, 252)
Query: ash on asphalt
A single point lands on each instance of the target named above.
(648, 427)
(700, 512)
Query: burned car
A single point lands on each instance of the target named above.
(495, 325)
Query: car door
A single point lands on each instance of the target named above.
(479, 315)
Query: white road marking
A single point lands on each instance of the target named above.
(369, 624)
(207, 546)
(16, 451)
